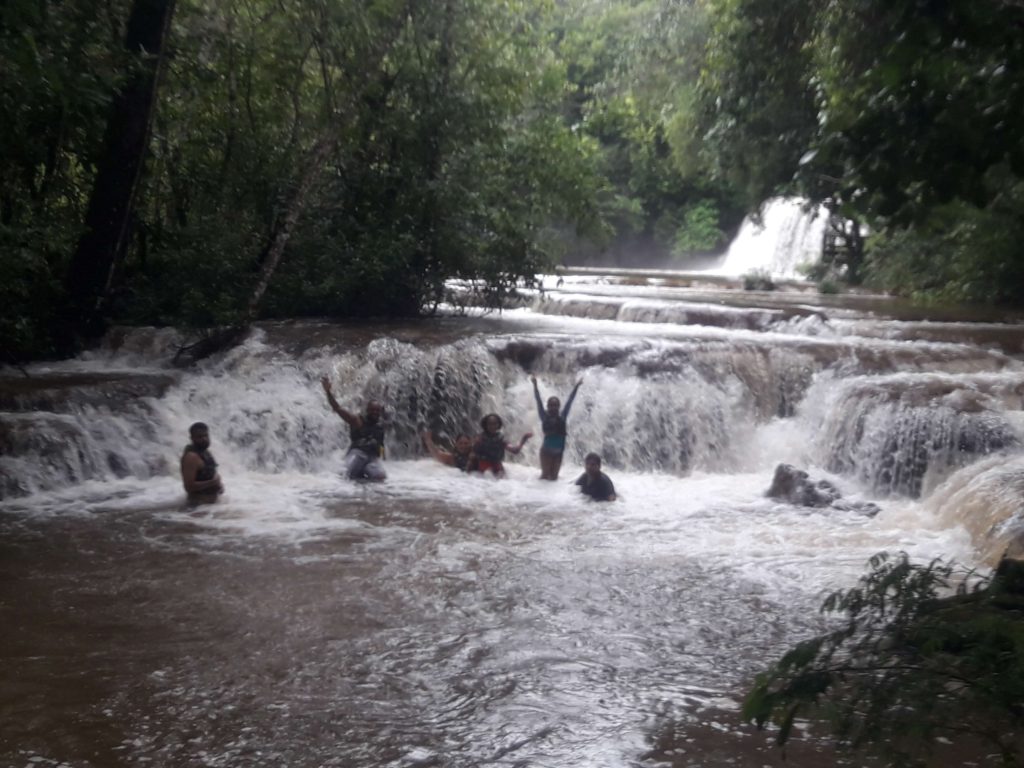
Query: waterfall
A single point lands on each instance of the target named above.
(647, 404)
(906, 433)
(463, 619)
(988, 499)
(787, 238)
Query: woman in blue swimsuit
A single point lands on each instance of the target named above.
(553, 423)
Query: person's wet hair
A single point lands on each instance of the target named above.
(592, 457)
(198, 427)
(485, 419)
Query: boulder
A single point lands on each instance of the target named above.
(794, 486)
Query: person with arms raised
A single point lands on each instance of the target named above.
(461, 456)
(366, 432)
(553, 423)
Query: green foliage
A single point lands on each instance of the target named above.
(459, 171)
(27, 288)
(905, 114)
(481, 140)
(757, 99)
(60, 64)
(921, 652)
(919, 102)
(828, 287)
(633, 66)
(758, 280)
(448, 157)
(699, 230)
(960, 253)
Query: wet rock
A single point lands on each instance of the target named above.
(522, 352)
(794, 486)
(117, 465)
(905, 434)
(42, 451)
(64, 392)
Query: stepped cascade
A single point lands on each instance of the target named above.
(446, 619)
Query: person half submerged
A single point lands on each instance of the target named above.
(595, 483)
(461, 456)
(366, 432)
(490, 445)
(198, 467)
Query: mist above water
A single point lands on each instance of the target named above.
(781, 242)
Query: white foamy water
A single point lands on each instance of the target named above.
(446, 619)
(786, 239)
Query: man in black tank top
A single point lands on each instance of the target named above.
(198, 467)
(366, 432)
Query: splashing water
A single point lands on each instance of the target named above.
(445, 619)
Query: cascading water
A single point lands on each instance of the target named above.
(787, 238)
(445, 619)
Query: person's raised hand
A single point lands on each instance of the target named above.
(326, 384)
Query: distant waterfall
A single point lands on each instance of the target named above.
(787, 238)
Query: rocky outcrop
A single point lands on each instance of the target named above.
(794, 486)
(64, 392)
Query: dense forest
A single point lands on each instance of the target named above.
(205, 164)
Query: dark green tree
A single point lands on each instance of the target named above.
(906, 115)
(61, 64)
(119, 168)
(920, 652)
(633, 67)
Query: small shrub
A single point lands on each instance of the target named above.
(758, 281)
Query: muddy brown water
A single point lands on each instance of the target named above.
(440, 620)
(413, 634)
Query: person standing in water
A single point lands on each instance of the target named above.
(595, 483)
(363, 460)
(199, 469)
(490, 446)
(461, 456)
(553, 423)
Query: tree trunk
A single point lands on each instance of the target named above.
(312, 165)
(103, 243)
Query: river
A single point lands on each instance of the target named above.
(440, 619)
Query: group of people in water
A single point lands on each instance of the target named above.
(484, 453)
